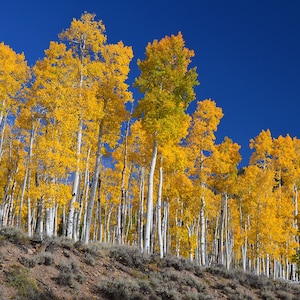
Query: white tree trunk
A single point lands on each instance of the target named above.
(165, 228)
(50, 221)
(149, 213)
(29, 217)
(141, 210)
(93, 191)
(2, 129)
(159, 226)
(203, 233)
(75, 187)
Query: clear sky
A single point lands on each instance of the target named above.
(247, 51)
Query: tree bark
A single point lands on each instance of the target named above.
(149, 213)
(159, 225)
(141, 210)
(75, 187)
(94, 186)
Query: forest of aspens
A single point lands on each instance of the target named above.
(80, 158)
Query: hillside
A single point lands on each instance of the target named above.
(60, 269)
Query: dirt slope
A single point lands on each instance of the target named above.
(59, 269)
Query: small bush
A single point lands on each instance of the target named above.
(198, 271)
(129, 256)
(221, 271)
(57, 242)
(178, 264)
(120, 289)
(46, 258)
(168, 290)
(43, 258)
(267, 295)
(145, 287)
(14, 235)
(69, 274)
(66, 275)
(66, 243)
(80, 278)
(283, 295)
(89, 259)
(92, 248)
(26, 287)
(28, 262)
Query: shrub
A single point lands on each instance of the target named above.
(43, 258)
(120, 289)
(92, 248)
(178, 264)
(129, 256)
(55, 242)
(28, 262)
(46, 258)
(221, 271)
(89, 259)
(66, 243)
(68, 274)
(65, 276)
(283, 295)
(14, 235)
(267, 295)
(27, 288)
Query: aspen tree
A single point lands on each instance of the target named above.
(168, 88)
(201, 144)
(53, 93)
(86, 39)
(224, 168)
(14, 73)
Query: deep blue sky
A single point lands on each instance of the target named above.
(247, 51)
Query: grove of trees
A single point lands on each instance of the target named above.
(80, 158)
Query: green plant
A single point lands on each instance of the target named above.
(26, 287)
(267, 295)
(89, 259)
(65, 276)
(284, 295)
(28, 262)
(14, 235)
(120, 289)
(46, 258)
(129, 256)
(69, 274)
(92, 249)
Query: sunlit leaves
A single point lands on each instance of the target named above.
(168, 87)
(14, 72)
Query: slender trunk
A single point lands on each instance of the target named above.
(75, 187)
(149, 213)
(10, 215)
(123, 189)
(159, 226)
(39, 225)
(2, 129)
(22, 197)
(141, 210)
(49, 220)
(29, 218)
(165, 228)
(99, 211)
(268, 265)
(30, 154)
(84, 197)
(203, 233)
(94, 186)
